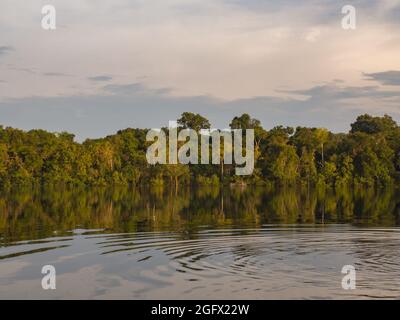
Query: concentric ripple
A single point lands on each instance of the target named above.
(268, 262)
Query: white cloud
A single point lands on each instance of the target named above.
(229, 50)
(312, 35)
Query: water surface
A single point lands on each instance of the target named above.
(204, 243)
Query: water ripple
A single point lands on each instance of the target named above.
(283, 261)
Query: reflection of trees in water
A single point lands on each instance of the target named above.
(29, 214)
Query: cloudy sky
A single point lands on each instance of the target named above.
(140, 63)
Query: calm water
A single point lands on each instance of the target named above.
(249, 243)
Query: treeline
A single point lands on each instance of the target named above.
(368, 155)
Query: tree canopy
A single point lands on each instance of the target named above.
(368, 155)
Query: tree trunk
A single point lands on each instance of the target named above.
(222, 169)
(322, 154)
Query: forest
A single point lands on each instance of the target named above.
(368, 155)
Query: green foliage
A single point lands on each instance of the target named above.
(368, 155)
(193, 121)
(368, 124)
(245, 122)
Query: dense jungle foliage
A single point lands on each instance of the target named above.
(368, 155)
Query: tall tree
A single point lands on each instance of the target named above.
(195, 121)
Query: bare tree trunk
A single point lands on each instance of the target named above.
(221, 202)
(222, 169)
(322, 154)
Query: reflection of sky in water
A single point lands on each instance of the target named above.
(256, 263)
(205, 243)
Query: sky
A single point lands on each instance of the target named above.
(115, 64)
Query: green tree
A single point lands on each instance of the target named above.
(189, 120)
